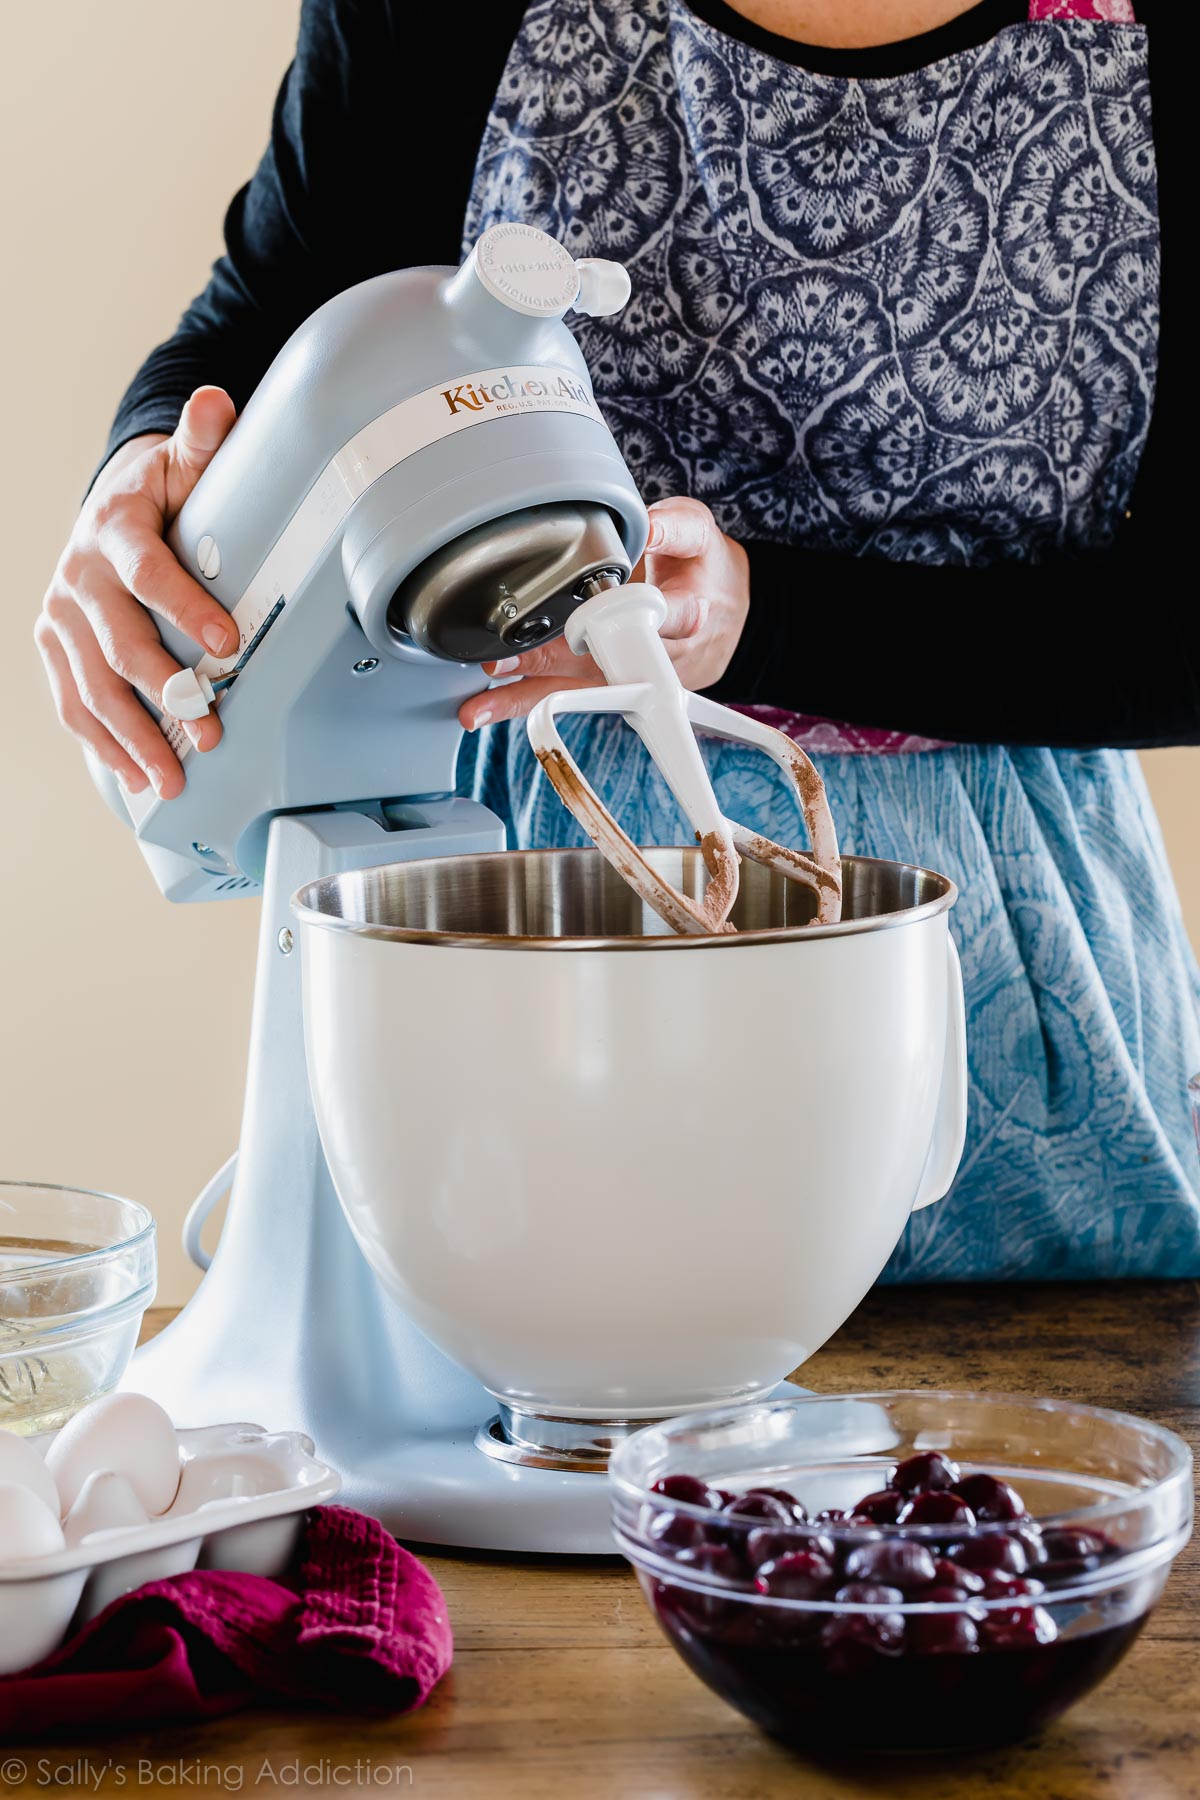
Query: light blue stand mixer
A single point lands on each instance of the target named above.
(421, 482)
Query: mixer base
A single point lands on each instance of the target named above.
(405, 1448)
(408, 1449)
(289, 1327)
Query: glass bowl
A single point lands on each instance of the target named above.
(922, 1664)
(77, 1271)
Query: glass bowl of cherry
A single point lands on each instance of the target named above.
(902, 1571)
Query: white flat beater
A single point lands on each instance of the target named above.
(619, 627)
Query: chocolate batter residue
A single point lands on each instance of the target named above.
(796, 863)
(821, 871)
(675, 909)
(721, 892)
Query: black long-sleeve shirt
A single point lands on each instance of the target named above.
(368, 169)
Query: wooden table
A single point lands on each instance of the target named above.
(562, 1688)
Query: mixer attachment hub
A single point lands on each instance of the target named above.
(531, 631)
(508, 584)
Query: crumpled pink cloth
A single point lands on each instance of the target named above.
(1117, 12)
(358, 1625)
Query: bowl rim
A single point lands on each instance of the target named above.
(1081, 1516)
(147, 1231)
(305, 907)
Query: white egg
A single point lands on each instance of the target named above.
(106, 1502)
(28, 1528)
(124, 1432)
(22, 1464)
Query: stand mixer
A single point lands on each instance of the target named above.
(422, 482)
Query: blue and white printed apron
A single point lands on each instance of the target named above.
(910, 318)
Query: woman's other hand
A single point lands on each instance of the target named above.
(96, 633)
(704, 577)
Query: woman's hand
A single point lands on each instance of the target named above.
(95, 631)
(704, 578)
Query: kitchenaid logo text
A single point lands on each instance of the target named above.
(474, 397)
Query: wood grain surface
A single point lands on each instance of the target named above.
(563, 1689)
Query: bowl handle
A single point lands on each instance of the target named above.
(950, 1125)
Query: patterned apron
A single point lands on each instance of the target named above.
(910, 319)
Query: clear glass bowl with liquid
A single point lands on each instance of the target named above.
(807, 1647)
(77, 1272)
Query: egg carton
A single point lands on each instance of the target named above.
(240, 1506)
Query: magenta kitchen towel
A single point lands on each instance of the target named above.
(359, 1625)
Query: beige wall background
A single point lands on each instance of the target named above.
(124, 129)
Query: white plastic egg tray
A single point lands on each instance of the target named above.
(240, 1503)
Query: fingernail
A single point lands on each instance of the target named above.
(133, 784)
(656, 533)
(506, 665)
(193, 731)
(216, 637)
(156, 777)
(483, 717)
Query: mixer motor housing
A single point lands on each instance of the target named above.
(421, 482)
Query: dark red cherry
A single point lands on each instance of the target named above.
(685, 1488)
(1029, 1536)
(852, 1642)
(895, 1562)
(676, 1530)
(818, 1541)
(869, 1593)
(1071, 1553)
(800, 1575)
(881, 1508)
(949, 1574)
(1011, 1587)
(830, 1515)
(789, 1501)
(1017, 1628)
(998, 1551)
(710, 1559)
(941, 1634)
(949, 1594)
(926, 1470)
(936, 1507)
(706, 1611)
(767, 1543)
(759, 1505)
(992, 1501)
(1072, 1541)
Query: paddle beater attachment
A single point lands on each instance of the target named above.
(620, 628)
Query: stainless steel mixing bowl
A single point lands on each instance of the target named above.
(613, 1172)
(553, 899)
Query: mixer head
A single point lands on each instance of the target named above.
(422, 482)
